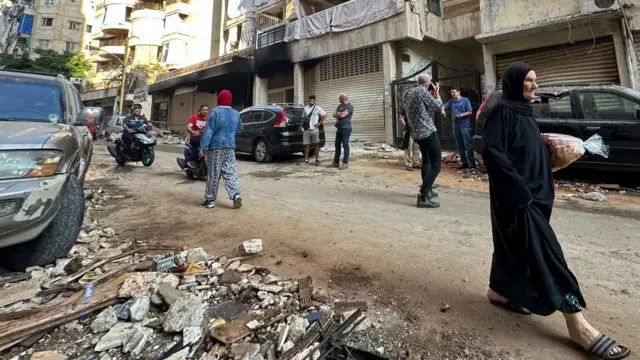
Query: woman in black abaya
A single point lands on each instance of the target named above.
(529, 273)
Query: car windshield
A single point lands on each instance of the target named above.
(25, 99)
(632, 92)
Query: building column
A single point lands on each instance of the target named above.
(622, 59)
(390, 59)
(298, 83)
(489, 60)
(259, 90)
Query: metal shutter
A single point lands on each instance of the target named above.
(582, 63)
(359, 74)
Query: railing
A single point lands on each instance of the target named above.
(433, 6)
(205, 64)
(147, 6)
(267, 20)
(112, 42)
(171, 2)
(271, 36)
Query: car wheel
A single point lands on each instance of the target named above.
(148, 156)
(261, 151)
(56, 240)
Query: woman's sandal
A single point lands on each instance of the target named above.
(511, 306)
(602, 346)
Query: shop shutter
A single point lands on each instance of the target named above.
(359, 74)
(583, 63)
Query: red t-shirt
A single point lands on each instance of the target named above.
(197, 122)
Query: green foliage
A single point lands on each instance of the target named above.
(49, 61)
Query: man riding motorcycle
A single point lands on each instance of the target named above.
(195, 127)
(131, 123)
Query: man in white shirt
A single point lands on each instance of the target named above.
(313, 118)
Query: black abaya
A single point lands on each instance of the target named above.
(528, 265)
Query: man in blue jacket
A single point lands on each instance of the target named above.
(460, 109)
(218, 146)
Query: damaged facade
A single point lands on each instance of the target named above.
(279, 51)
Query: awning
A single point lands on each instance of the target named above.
(185, 90)
(238, 64)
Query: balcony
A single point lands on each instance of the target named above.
(205, 64)
(116, 28)
(182, 7)
(113, 47)
(271, 36)
(267, 21)
(147, 24)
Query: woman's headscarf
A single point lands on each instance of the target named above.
(224, 98)
(513, 89)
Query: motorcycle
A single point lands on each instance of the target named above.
(192, 164)
(140, 150)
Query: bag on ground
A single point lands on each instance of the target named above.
(565, 149)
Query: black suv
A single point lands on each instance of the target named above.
(45, 150)
(611, 111)
(272, 130)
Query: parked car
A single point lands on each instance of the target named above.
(272, 130)
(45, 150)
(611, 111)
(111, 125)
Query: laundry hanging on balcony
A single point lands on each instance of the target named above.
(347, 16)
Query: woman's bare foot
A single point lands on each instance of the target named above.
(581, 332)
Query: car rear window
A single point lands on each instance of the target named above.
(25, 99)
(294, 114)
(552, 108)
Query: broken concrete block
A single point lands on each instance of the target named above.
(104, 321)
(197, 255)
(140, 308)
(48, 355)
(246, 267)
(252, 246)
(186, 311)
(117, 336)
(275, 289)
(298, 326)
(136, 341)
(143, 283)
(169, 293)
(191, 335)
(245, 351)
(180, 355)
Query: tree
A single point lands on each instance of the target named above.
(49, 61)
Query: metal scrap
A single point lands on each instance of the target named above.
(304, 289)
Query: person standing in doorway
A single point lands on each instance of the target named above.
(460, 109)
(410, 147)
(218, 146)
(421, 102)
(313, 119)
(343, 115)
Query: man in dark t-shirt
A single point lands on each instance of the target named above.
(343, 115)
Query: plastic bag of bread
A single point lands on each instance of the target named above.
(566, 149)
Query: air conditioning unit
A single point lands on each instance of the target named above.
(77, 81)
(593, 6)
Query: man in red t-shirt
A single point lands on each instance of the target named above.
(196, 125)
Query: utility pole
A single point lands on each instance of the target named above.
(123, 85)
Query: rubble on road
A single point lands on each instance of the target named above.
(159, 302)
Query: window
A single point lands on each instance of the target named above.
(34, 100)
(551, 108)
(256, 116)
(49, 2)
(71, 46)
(607, 106)
(74, 25)
(89, 29)
(433, 6)
(245, 117)
(46, 21)
(43, 44)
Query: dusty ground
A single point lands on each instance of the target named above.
(358, 233)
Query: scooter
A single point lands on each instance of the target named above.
(192, 164)
(141, 149)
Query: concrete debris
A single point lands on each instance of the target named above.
(191, 335)
(180, 355)
(139, 308)
(116, 337)
(197, 255)
(104, 321)
(595, 196)
(136, 342)
(48, 355)
(186, 311)
(249, 247)
(245, 351)
(169, 293)
(299, 327)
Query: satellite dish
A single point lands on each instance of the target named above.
(604, 4)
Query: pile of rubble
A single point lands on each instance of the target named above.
(118, 299)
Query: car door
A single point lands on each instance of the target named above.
(243, 139)
(614, 116)
(554, 113)
(252, 128)
(85, 139)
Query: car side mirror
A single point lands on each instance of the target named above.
(89, 116)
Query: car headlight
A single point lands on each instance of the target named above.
(29, 163)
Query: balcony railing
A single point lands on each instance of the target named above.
(271, 36)
(205, 64)
(171, 2)
(147, 6)
(267, 21)
(112, 42)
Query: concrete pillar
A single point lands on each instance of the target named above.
(259, 90)
(489, 60)
(390, 58)
(622, 59)
(298, 84)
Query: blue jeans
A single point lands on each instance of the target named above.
(464, 145)
(342, 141)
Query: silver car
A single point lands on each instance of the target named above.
(45, 150)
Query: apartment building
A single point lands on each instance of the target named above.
(372, 49)
(58, 25)
(165, 35)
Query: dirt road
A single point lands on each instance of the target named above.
(358, 233)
